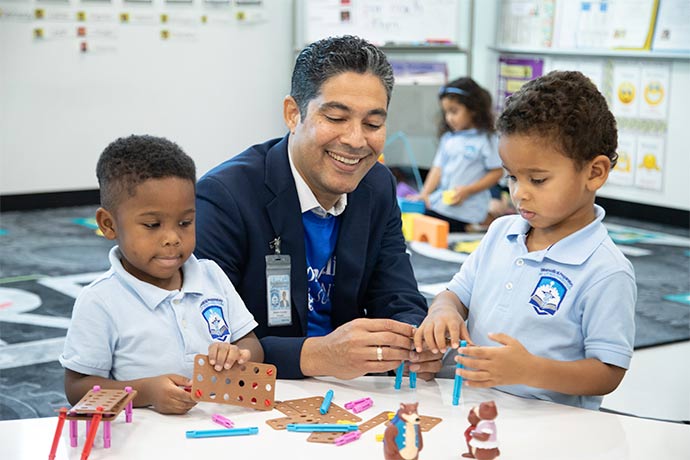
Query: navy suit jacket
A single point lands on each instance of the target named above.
(250, 199)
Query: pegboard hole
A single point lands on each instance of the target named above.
(226, 397)
(227, 380)
(256, 370)
(199, 378)
(200, 361)
(253, 400)
(241, 383)
(268, 387)
(240, 398)
(214, 379)
(212, 395)
(255, 385)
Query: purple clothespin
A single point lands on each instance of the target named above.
(347, 437)
(222, 421)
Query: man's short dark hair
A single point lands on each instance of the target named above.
(129, 161)
(332, 56)
(566, 108)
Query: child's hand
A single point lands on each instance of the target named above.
(461, 194)
(167, 393)
(491, 366)
(224, 355)
(442, 320)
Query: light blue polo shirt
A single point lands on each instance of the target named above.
(465, 157)
(571, 301)
(124, 328)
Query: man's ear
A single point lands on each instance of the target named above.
(106, 223)
(598, 172)
(291, 113)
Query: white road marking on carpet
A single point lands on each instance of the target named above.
(28, 353)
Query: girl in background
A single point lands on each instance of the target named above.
(466, 164)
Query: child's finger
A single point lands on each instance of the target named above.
(222, 361)
(245, 355)
(418, 336)
(213, 354)
(429, 339)
(454, 337)
(440, 336)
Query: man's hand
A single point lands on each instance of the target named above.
(352, 349)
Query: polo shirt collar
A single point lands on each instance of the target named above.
(573, 249)
(151, 295)
(307, 200)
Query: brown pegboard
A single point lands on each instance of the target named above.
(306, 410)
(248, 385)
(426, 424)
(112, 402)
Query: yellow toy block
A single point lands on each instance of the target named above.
(407, 224)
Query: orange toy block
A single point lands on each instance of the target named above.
(430, 230)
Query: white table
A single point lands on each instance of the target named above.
(527, 429)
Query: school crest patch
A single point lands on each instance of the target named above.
(547, 295)
(212, 311)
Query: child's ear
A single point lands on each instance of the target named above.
(291, 113)
(106, 223)
(598, 172)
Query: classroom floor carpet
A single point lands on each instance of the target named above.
(47, 256)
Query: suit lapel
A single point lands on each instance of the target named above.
(286, 219)
(351, 254)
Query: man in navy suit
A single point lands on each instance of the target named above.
(316, 214)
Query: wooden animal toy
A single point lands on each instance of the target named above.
(481, 439)
(402, 439)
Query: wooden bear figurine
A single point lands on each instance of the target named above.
(481, 439)
(403, 437)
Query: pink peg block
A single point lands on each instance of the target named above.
(348, 437)
(220, 420)
(356, 402)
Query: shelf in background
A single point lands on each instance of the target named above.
(680, 55)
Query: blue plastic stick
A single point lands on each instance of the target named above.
(219, 433)
(413, 379)
(458, 379)
(399, 375)
(326, 402)
(309, 427)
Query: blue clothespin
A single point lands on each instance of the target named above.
(326, 402)
(458, 379)
(328, 427)
(226, 432)
(399, 375)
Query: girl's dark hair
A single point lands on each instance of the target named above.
(477, 100)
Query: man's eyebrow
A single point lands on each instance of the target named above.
(340, 106)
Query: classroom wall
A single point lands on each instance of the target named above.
(214, 88)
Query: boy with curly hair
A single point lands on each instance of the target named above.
(548, 298)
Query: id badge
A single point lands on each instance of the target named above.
(278, 298)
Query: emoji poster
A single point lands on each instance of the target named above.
(626, 88)
(624, 171)
(654, 90)
(649, 164)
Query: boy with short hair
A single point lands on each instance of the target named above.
(548, 286)
(141, 323)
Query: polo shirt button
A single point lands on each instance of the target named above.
(519, 262)
(176, 301)
(509, 286)
(184, 323)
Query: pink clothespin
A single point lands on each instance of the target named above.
(352, 404)
(220, 420)
(348, 437)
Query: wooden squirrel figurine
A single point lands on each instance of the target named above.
(480, 436)
(402, 439)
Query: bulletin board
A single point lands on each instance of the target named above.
(382, 22)
(75, 75)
